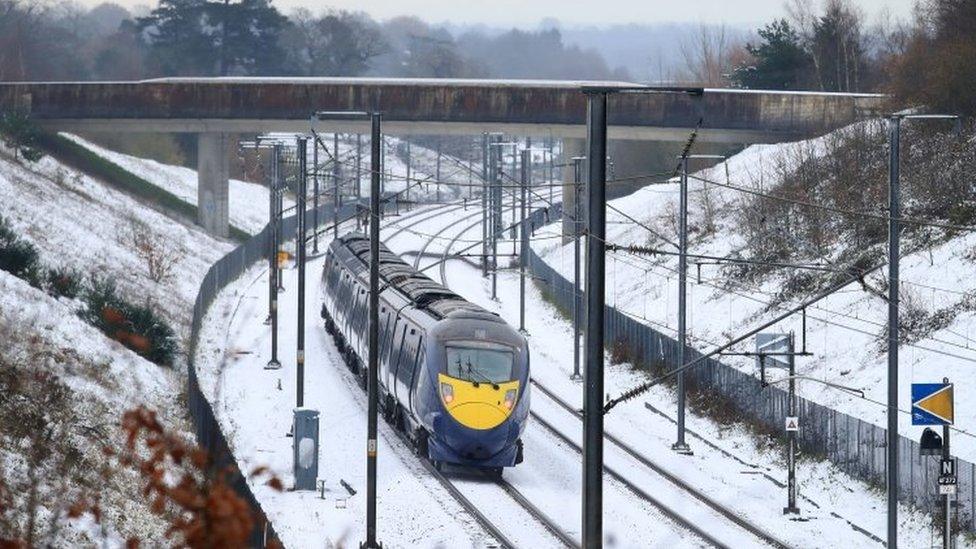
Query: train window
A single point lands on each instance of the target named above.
(480, 361)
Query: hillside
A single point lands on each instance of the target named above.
(845, 332)
(86, 379)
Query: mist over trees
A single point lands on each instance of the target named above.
(52, 40)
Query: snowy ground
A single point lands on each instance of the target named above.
(252, 405)
(740, 487)
(843, 331)
(76, 221)
(106, 379)
(248, 201)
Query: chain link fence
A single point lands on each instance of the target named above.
(854, 446)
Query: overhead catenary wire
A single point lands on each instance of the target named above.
(834, 209)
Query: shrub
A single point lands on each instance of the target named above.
(64, 282)
(137, 327)
(21, 134)
(18, 256)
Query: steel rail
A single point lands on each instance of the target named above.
(537, 513)
(436, 211)
(490, 528)
(463, 500)
(754, 529)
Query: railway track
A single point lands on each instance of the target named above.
(669, 510)
(730, 515)
(461, 492)
(489, 527)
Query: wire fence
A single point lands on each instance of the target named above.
(854, 446)
(226, 270)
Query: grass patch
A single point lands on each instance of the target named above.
(80, 158)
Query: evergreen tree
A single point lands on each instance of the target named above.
(20, 133)
(781, 63)
(202, 37)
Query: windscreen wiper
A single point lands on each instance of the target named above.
(482, 376)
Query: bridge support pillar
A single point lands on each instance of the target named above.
(213, 187)
(572, 146)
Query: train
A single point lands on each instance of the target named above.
(453, 376)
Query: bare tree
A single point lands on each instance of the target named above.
(708, 55)
(159, 257)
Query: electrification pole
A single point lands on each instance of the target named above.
(336, 199)
(406, 190)
(315, 195)
(496, 214)
(359, 163)
(528, 146)
(302, 152)
(577, 231)
(438, 173)
(279, 213)
(512, 234)
(484, 204)
(946, 501)
(550, 180)
(273, 271)
(894, 134)
(374, 313)
(791, 435)
(680, 445)
(382, 166)
(524, 232)
(596, 137)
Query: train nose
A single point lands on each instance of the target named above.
(480, 451)
(478, 415)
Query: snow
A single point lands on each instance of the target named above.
(740, 488)
(248, 201)
(842, 331)
(253, 403)
(106, 380)
(254, 407)
(76, 221)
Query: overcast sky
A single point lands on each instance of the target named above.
(571, 12)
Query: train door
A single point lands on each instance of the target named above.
(387, 325)
(394, 356)
(408, 365)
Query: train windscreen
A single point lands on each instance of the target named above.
(480, 363)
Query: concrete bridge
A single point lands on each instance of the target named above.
(216, 107)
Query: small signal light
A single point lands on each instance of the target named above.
(447, 393)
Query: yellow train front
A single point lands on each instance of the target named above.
(453, 376)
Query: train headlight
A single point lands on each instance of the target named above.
(510, 398)
(447, 393)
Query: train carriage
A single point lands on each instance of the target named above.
(452, 375)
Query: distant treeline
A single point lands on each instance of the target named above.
(56, 41)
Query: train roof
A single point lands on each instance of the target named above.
(420, 289)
